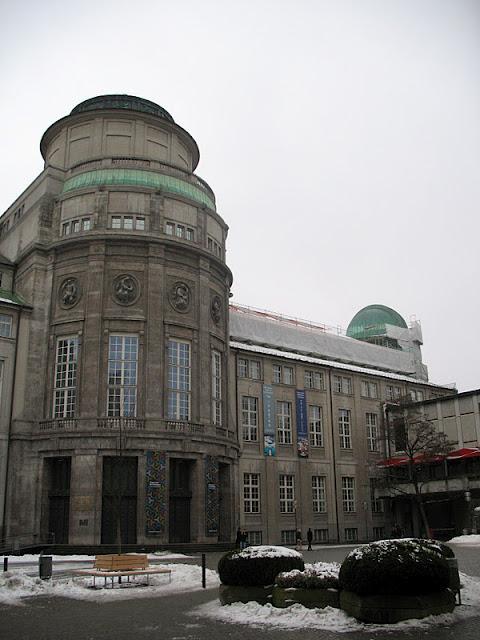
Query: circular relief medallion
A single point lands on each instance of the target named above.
(216, 309)
(125, 289)
(69, 293)
(179, 297)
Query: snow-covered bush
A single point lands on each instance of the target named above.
(394, 567)
(256, 566)
(320, 575)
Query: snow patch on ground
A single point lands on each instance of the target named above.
(330, 619)
(16, 585)
(32, 558)
(472, 540)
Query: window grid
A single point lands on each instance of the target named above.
(179, 231)
(251, 493)
(122, 375)
(254, 537)
(179, 380)
(287, 493)
(5, 326)
(320, 535)
(319, 494)
(214, 247)
(351, 534)
(372, 431)
(342, 384)
(250, 418)
(217, 388)
(284, 422)
(369, 389)
(248, 368)
(288, 536)
(348, 494)
(283, 374)
(379, 533)
(393, 392)
(313, 380)
(65, 391)
(344, 428)
(315, 423)
(76, 225)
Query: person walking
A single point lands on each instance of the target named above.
(309, 539)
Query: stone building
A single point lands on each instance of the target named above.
(132, 399)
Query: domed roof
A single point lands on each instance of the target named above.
(370, 321)
(121, 101)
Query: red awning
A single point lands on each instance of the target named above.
(459, 454)
(467, 452)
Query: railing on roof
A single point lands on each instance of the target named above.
(279, 317)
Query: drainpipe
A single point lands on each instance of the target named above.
(332, 430)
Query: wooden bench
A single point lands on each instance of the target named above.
(118, 565)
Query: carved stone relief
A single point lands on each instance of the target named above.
(180, 297)
(69, 293)
(216, 309)
(125, 289)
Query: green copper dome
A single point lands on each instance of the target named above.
(122, 101)
(370, 322)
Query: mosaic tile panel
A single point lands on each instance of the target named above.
(156, 492)
(211, 496)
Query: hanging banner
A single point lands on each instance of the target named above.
(156, 492)
(268, 420)
(302, 424)
(211, 496)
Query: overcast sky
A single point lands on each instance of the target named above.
(342, 139)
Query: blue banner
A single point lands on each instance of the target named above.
(268, 420)
(302, 424)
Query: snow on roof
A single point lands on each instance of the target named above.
(250, 327)
(289, 355)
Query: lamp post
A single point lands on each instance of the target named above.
(468, 498)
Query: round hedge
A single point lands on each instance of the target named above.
(257, 566)
(394, 567)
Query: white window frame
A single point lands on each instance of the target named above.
(286, 485)
(348, 494)
(342, 384)
(65, 380)
(284, 421)
(179, 379)
(122, 394)
(345, 428)
(6, 324)
(369, 389)
(319, 494)
(251, 493)
(371, 422)
(313, 379)
(315, 425)
(249, 418)
(248, 368)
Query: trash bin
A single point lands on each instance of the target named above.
(45, 567)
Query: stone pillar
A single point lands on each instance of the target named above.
(84, 511)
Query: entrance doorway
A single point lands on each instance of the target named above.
(58, 470)
(180, 500)
(119, 500)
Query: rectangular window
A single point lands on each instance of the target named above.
(65, 228)
(288, 536)
(178, 380)
(248, 368)
(254, 537)
(315, 426)
(348, 494)
(344, 428)
(65, 391)
(128, 223)
(320, 535)
(393, 392)
(180, 231)
(313, 380)
(75, 226)
(251, 493)
(190, 235)
(217, 388)
(169, 228)
(116, 222)
(369, 389)
(372, 431)
(342, 384)
(86, 224)
(284, 422)
(277, 374)
(319, 494)
(379, 533)
(140, 224)
(5, 326)
(351, 534)
(282, 374)
(250, 418)
(122, 375)
(287, 375)
(287, 494)
(375, 503)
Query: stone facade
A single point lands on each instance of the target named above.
(128, 403)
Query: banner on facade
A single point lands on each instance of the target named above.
(302, 423)
(268, 421)
(156, 492)
(211, 496)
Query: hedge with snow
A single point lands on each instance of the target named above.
(257, 566)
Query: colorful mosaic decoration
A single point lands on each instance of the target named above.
(156, 492)
(211, 496)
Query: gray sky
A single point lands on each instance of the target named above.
(342, 139)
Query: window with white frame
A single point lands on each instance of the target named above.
(122, 375)
(344, 428)
(283, 374)
(320, 535)
(217, 388)
(369, 389)
(182, 231)
(287, 493)
(74, 226)
(319, 494)
(179, 380)
(284, 422)
(250, 418)
(128, 222)
(5, 326)
(65, 390)
(351, 534)
(315, 425)
(348, 494)
(342, 384)
(251, 493)
(392, 392)
(214, 247)
(371, 420)
(375, 502)
(254, 537)
(288, 536)
(248, 368)
(417, 395)
(314, 380)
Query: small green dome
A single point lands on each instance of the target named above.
(122, 101)
(370, 321)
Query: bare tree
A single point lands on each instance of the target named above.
(418, 444)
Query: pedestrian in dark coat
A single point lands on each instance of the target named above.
(309, 539)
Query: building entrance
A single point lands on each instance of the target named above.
(180, 500)
(58, 499)
(119, 500)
